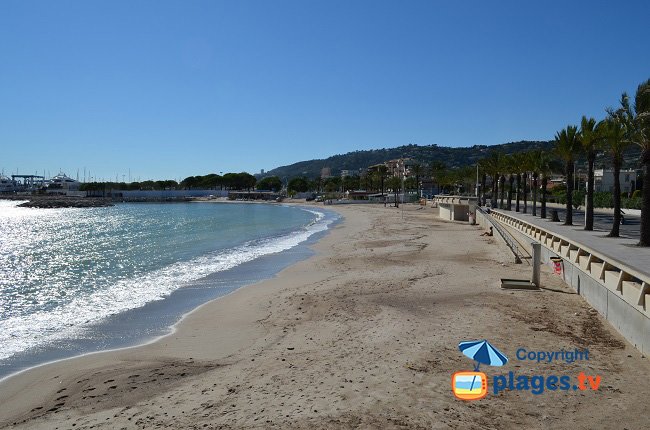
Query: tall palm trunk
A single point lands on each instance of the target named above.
(645, 199)
(518, 190)
(525, 177)
(510, 192)
(495, 190)
(534, 193)
(589, 213)
(502, 186)
(542, 212)
(617, 199)
(569, 193)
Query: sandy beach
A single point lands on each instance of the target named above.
(364, 334)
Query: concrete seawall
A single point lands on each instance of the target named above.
(618, 291)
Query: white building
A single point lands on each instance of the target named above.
(400, 167)
(604, 180)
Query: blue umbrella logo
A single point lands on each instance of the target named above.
(482, 352)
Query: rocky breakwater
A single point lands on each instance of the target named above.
(65, 202)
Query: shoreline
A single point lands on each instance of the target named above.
(170, 331)
(362, 334)
(166, 313)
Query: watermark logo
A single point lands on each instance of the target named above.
(473, 385)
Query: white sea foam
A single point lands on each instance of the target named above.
(20, 333)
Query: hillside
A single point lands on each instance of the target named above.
(452, 157)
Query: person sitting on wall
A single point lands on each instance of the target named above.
(487, 233)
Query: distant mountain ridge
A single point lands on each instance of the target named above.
(452, 157)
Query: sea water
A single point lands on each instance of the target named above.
(79, 280)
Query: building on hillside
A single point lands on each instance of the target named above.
(604, 180)
(345, 173)
(400, 167)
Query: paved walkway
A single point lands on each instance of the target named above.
(621, 250)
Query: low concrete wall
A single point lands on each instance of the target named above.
(620, 294)
(455, 208)
(445, 211)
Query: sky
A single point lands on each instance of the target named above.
(170, 89)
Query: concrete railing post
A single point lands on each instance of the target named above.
(537, 258)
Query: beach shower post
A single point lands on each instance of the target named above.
(537, 255)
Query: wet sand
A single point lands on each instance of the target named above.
(362, 335)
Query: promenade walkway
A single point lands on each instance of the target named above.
(620, 250)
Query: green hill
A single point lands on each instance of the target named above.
(452, 157)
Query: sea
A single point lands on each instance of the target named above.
(74, 281)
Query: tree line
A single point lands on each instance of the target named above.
(623, 127)
(212, 181)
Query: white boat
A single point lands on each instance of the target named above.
(64, 183)
(7, 185)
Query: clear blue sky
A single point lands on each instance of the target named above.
(170, 89)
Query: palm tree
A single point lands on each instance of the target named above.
(437, 170)
(616, 142)
(642, 110)
(636, 120)
(492, 164)
(466, 178)
(382, 171)
(526, 166)
(567, 146)
(417, 171)
(545, 168)
(511, 180)
(532, 158)
(518, 158)
(395, 183)
(502, 188)
(518, 191)
(590, 138)
(523, 168)
(508, 163)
